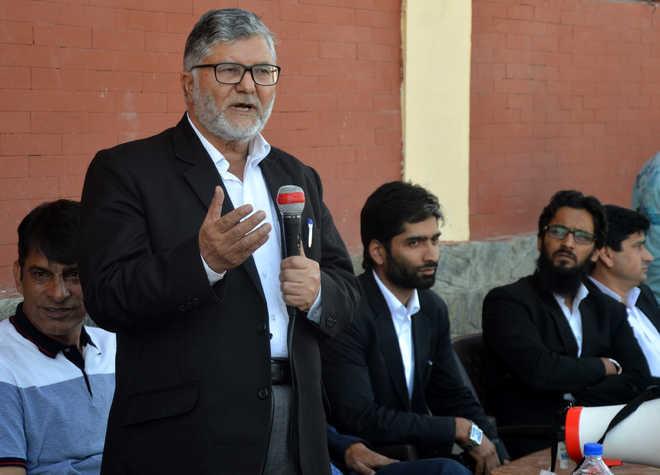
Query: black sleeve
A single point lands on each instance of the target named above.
(355, 409)
(510, 333)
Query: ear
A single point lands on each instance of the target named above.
(187, 84)
(606, 256)
(16, 269)
(377, 252)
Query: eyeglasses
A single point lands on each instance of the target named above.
(558, 231)
(232, 73)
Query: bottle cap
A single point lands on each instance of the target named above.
(592, 448)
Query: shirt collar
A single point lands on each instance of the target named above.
(395, 306)
(631, 298)
(580, 295)
(258, 149)
(44, 343)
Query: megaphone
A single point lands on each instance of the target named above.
(636, 439)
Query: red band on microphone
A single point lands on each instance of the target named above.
(290, 198)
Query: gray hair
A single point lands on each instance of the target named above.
(223, 26)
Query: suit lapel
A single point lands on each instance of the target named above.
(203, 177)
(387, 339)
(647, 304)
(275, 178)
(563, 328)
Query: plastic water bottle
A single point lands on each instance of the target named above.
(593, 461)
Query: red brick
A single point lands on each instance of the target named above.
(386, 102)
(165, 42)
(142, 102)
(338, 50)
(13, 77)
(545, 43)
(15, 32)
(379, 19)
(290, 11)
(14, 122)
(161, 82)
(71, 186)
(373, 52)
(13, 167)
(520, 12)
(552, 14)
(63, 35)
(12, 211)
(125, 40)
(40, 166)
(179, 23)
(87, 142)
(32, 144)
(516, 41)
(57, 122)
(42, 188)
(17, 11)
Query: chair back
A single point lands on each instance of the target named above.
(471, 353)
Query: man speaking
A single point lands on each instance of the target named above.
(183, 251)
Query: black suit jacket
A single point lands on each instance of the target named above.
(363, 374)
(649, 305)
(193, 371)
(532, 357)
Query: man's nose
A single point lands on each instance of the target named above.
(646, 255)
(58, 289)
(246, 84)
(569, 240)
(432, 252)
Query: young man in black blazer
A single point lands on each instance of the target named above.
(619, 272)
(391, 376)
(550, 340)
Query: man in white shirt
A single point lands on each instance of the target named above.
(619, 272)
(391, 376)
(551, 341)
(218, 367)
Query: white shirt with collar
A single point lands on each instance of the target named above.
(267, 258)
(573, 315)
(645, 332)
(402, 319)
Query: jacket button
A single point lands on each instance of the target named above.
(261, 328)
(263, 393)
(330, 322)
(182, 308)
(195, 301)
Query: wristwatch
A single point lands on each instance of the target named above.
(475, 437)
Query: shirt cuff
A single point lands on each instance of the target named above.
(314, 313)
(212, 275)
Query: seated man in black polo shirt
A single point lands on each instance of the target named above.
(56, 375)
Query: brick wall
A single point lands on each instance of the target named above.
(564, 94)
(80, 75)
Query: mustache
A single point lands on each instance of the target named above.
(428, 266)
(566, 253)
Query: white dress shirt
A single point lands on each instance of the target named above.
(402, 319)
(267, 258)
(573, 315)
(645, 332)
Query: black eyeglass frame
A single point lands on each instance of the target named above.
(278, 69)
(580, 235)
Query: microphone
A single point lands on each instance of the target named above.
(291, 201)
